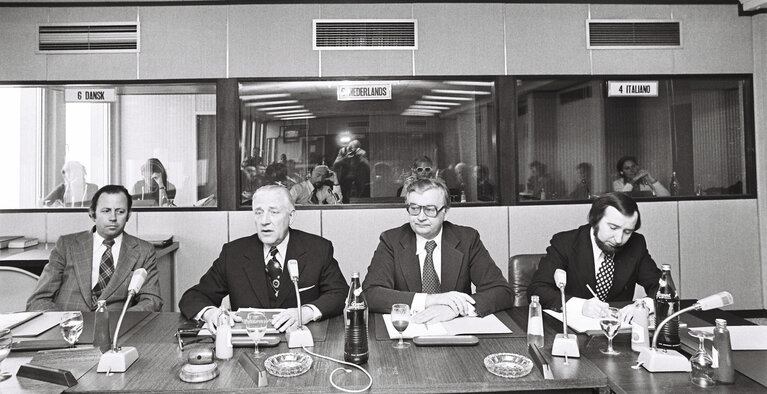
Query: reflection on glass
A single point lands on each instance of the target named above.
(75, 191)
(154, 188)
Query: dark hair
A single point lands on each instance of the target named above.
(109, 189)
(317, 187)
(155, 165)
(276, 173)
(623, 161)
(422, 159)
(423, 184)
(618, 200)
(538, 166)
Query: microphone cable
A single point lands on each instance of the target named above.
(347, 370)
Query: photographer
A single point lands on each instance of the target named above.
(302, 192)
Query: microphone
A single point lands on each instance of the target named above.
(564, 345)
(560, 278)
(120, 359)
(666, 360)
(301, 336)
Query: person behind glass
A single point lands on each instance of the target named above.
(252, 178)
(323, 194)
(431, 264)
(606, 254)
(485, 189)
(155, 186)
(353, 169)
(97, 264)
(422, 168)
(582, 189)
(635, 180)
(277, 174)
(252, 270)
(539, 184)
(302, 192)
(75, 191)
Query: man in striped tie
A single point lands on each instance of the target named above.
(431, 264)
(97, 264)
(606, 255)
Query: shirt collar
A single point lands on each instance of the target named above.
(282, 249)
(598, 253)
(98, 240)
(420, 242)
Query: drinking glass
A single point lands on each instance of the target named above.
(610, 322)
(702, 373)
(5, 347)
(400, 319)
(255, 325)
(71, 327)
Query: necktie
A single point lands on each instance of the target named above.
(106, 269)
(430, 283)
(605, 277)
(274, 270)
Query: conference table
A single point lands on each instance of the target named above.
(413, 370)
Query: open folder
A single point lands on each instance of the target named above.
(583, 324)
(489, 324)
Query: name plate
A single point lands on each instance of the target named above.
(90, 95)
(378, 91)
(632, 88)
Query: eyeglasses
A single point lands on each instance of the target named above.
(423, 169)
(428, 210)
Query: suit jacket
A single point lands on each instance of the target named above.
(65, 283)
(572, 252)
(394, 274)
(240, 272)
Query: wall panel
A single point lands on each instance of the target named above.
(492, 224)
(18, 27)
(28, 225)
(531, 228)
(719, 250)
(242, 223)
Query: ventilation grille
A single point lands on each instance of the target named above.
(337, 34)
(614, 34)
(88, 38)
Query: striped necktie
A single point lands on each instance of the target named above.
(106, 269)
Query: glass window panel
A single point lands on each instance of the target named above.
(373, 135)
(576, 141)
(144, 137)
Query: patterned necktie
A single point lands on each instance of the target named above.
(605, 277)
(274, 270)
(430, 283)
(106, 269)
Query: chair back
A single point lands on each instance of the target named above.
(521, 270)
(16, 286)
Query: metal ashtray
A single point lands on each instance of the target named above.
(508, 365)
(286, 365)
(198, 373)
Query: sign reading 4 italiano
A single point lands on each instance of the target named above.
(89, 95)
(368, 91)
(632, 88)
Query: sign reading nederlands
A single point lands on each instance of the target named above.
(368, 91)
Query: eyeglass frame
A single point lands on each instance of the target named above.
(423, 169)
(422, 208)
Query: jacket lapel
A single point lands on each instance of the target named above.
(125, 265)
(410, 267)
(295, 251)
(585, 254)
(83, 258)
(254, 266)
(622, 272)
(452, 259)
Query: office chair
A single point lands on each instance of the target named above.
(17, 286)
(521, 270)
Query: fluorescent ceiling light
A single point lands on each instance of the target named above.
(429, 107)
(299, 117)
(426, 102)
(433, 111)
(291, 111)
(448, 98)
(406, 113)
(469, 83)
(279, 108)
(263, 96)
(455, 91)
(293, 114)
(265, 103)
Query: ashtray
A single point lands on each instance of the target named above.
(191, 373)
(508, 365)
(286, 365)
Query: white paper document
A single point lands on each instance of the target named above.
(489, 324)
(38, 325)
(582, 324)
(11, 320)
(239, 328)
(745, 337)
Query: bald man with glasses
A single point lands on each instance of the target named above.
(430, 264)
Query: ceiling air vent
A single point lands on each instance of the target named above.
(88, 37)
(633, 34)
(361, 34)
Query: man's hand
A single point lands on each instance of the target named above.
(593, 307)
(157, 178)
(211, 319)
(289, 318)
(435, 314)
(460, 303)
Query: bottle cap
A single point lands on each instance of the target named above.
(101, 303)
(665, 267)
(355, 274)
(720, 323)
(534, 298)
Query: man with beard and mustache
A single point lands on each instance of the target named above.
(586, 254)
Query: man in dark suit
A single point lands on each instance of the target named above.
(82, 270)
(253, 270)
(606, 254)
(430, 264)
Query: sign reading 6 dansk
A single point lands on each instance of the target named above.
(89, 95)
(367, 91)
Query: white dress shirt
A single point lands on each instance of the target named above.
(98, 250)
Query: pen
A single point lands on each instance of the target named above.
(592, 291)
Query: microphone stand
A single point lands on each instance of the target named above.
(565, 345)
(301, 336)
(665, 360)
(119, 359)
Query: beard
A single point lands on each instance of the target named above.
(607, 249)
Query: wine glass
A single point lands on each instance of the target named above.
(71, 327)
(400, 319)
(255, 325)
(701, 363)
(610, 322)
(5, 347)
